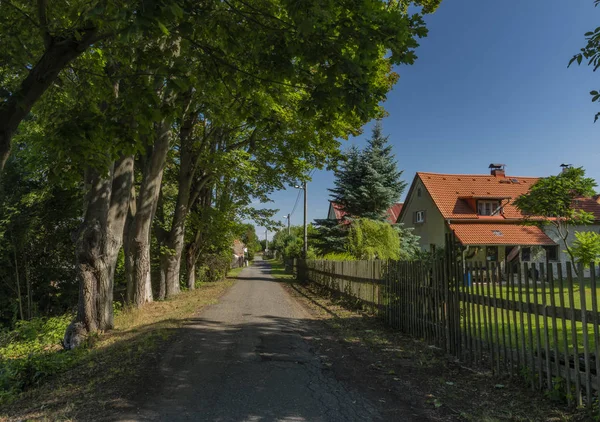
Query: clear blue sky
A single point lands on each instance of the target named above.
(491, 84)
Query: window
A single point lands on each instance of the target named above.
(432, 247)
(491, 253)
(525, 254)
(420, 217)
(551, 252)
(419, 192)
(487, 207)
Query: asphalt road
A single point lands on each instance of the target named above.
(244, 359)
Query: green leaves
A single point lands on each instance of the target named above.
(371, 239)
(586, 247)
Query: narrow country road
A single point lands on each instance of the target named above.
(244, 359)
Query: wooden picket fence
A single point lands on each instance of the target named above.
(536, 321)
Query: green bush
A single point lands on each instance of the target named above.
(339, 256)
(214, 267)
(371, 239)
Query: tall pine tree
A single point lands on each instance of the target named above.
(368, 183)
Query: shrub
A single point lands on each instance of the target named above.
(339, 256)
(214, 267)
(371, 239)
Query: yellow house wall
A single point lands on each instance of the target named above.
(433, 230)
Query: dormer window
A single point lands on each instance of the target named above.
(488, 207)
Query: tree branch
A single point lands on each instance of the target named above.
(43, 18)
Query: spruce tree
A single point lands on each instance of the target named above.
(368, 182)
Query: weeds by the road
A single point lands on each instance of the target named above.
(94, 378)
(452, 391)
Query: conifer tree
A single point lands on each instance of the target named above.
(368, 183)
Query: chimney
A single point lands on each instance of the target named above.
(497, 170)
(565, 167)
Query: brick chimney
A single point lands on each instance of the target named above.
(497, 170)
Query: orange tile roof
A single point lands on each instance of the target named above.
(450, 192)
(500, 234)
(393, 212)
(590, 205)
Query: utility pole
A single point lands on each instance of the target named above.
(305, 228)
(266, 241)
(288, 219)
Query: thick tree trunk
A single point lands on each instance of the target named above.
(89, 252)
(58, 54)
(117, 215)
(170, 265)
(97, 247)
(139, 237)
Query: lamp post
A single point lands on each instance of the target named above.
(288, 222)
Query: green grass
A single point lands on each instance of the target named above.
(278, 270)
(543, 294)
(234, 272)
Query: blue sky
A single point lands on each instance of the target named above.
(491, 84)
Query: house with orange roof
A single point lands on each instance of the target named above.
(479, 210)
(336, 212)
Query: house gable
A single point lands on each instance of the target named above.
(433, 228)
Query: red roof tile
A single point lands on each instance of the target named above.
(393, 212)
(451, 192)
(500, 234)
(590, 205)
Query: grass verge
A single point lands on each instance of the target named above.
(449, 390)
(99, 378)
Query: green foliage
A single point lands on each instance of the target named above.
(586, 247)
(28, 354)
(372, 239)
(330, 236)
(214, 267)
(555, 196)
(368, 182)
(250, 240)
(291, 245)
(409, 242)
(338, 256)
(591, 53)
(553, 200)
(38, 214)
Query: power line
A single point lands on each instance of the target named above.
(299, 193)
(296, 204)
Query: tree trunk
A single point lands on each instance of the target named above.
(190, 260)
(57, 55)
(170, 261)
(117, 215)
(170, 265)
(139, 236)
(89, 251)
(17, 279)
(97, 246)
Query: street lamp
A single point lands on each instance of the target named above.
(305, 249)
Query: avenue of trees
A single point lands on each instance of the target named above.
(135, 135)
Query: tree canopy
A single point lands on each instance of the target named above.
(553, 201)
